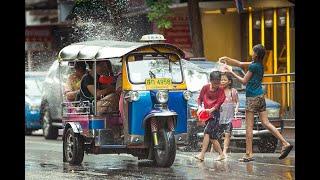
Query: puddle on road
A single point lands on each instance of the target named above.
(73, 168)
(48, 165)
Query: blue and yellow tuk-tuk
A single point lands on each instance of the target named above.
(152, 116)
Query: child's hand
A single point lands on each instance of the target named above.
(198, 111)
(227, 68)
(210, 110)
(223, 59)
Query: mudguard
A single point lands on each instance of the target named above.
(160, 113)
(76, 127)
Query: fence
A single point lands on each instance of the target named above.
(281, 88)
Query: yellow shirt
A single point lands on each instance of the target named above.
(73, 83)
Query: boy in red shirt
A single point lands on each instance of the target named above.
(212, 96)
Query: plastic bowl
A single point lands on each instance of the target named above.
(204, 115)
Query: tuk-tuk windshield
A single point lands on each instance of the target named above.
(141, 70)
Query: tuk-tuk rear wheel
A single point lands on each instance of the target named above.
(166, 152)
(73, 147)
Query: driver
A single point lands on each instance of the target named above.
(107, 99)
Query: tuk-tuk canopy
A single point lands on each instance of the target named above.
(106, 49)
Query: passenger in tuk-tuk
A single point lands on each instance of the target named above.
(73, 83)
(107, 99)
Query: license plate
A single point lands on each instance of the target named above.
(159, 83)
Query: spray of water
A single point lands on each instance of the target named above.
(96, 20)
(102, 21)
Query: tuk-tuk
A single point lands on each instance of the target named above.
(152, 115)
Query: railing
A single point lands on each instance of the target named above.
(281, 88)
(75, 108)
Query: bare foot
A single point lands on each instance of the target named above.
(220, 157)
(225, 155)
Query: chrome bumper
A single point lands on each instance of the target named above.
(57, 124)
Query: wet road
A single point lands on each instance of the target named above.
(43, 160)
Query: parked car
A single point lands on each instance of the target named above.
(52, 97)
(33, 90)
(197, 75)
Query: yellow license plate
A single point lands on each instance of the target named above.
(159, 83)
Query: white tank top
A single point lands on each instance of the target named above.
(227, 109)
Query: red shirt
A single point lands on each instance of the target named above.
(211, 98)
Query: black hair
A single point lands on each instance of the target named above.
(109, 65)
(80, 65)
(260, 51)
(229, 77)
(215, 75)
(90, 63)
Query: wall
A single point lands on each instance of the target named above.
(179, 34)
(221, 35)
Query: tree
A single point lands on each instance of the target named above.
(160, 11)
(195, 28)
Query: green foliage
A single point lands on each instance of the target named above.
(159, 13)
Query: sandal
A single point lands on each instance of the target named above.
(201, 160)
(246, 159)
(285, 151)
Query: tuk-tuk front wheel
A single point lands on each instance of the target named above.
(73, 147)
(165, 153)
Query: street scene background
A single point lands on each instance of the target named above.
(205, 31)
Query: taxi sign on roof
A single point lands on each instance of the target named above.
(152, 37)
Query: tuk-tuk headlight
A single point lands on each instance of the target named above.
(187, 95)
(132, 96)
(162, 96)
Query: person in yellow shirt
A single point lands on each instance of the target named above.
(73, 83)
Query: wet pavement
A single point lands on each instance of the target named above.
(43, 160)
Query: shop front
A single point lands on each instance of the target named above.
(38, 46)
(226, 32)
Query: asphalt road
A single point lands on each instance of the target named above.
(43, 160)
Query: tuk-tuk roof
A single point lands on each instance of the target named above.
(105, 49)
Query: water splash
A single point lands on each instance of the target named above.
(97, 21)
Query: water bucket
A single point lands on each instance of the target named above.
(204, 116)
(236, 122)
(222, 66)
